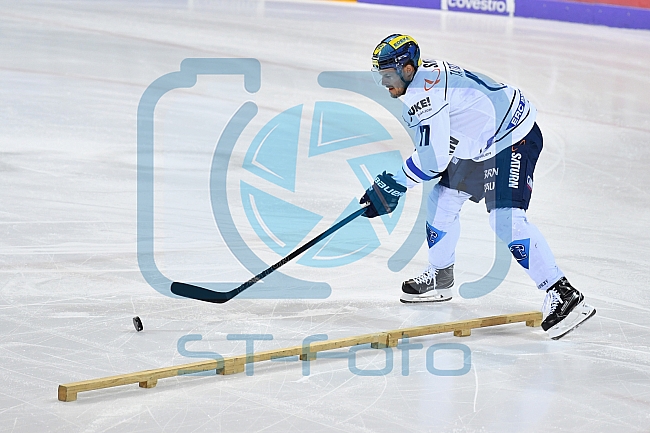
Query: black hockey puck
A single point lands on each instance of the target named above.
(137, 323)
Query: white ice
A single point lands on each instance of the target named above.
(71, 77)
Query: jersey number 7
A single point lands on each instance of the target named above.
(425, 134)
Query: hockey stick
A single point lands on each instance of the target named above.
(202, 294)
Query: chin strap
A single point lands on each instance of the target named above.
(401, 77)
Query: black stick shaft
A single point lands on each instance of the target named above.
(202, 294)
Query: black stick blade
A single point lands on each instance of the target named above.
(206, 295)
(201, 294)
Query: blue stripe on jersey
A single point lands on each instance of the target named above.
(416, 171)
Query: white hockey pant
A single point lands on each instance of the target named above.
(525, 241)
(443, 224)
(527, 245)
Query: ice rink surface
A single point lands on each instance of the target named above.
(71, 77)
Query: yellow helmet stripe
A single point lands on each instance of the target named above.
(397, 42)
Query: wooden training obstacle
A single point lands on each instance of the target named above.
(236, 364)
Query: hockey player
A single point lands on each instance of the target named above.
(479, 137)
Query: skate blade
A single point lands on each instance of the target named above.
(438, 296)
(577, 317)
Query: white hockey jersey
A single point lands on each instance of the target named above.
(461, 114)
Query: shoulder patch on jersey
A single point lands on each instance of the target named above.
(431, 71)
(429, 84)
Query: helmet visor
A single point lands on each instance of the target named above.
(379, 65)
(376, 76)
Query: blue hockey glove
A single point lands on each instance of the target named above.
(382, 196)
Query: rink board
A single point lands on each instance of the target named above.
(236, 364)
(614, 13)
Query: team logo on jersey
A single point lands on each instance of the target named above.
(429, 84)
(519, 250)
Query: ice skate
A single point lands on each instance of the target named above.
(566, 309)
(433, 285)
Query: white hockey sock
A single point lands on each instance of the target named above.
(443, 224)
(527, 245)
